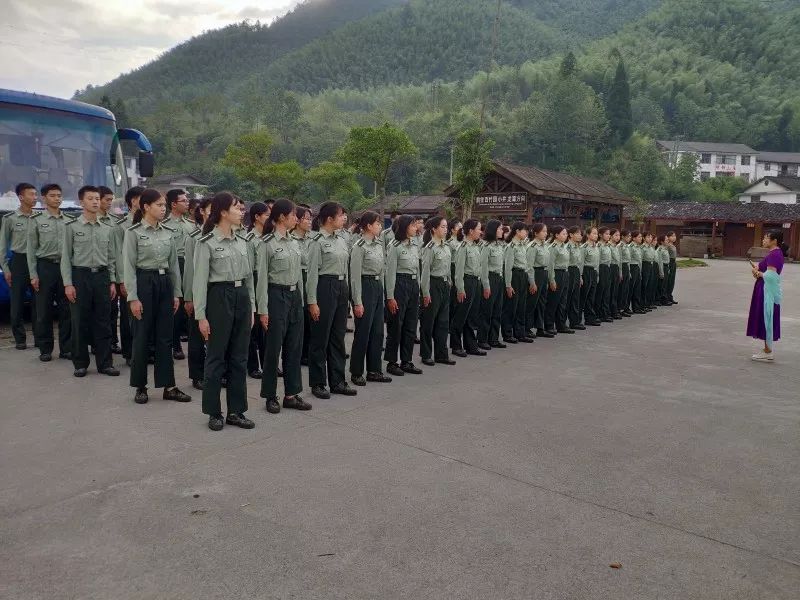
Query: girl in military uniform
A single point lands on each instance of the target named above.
(301, 234)
(454, 227)
(623, 295)
(153, 282)
(556, 309)
(616, 274)
(492, 261)
(327, 299)
(279, 295)
(435, 281)
(635, 250)
(224, 300)
(367, 271)
(402, 297)
(647, 270)
(591, 269)
(662, 260)
(603, 298)
(574, 278)
(538, 275)
(463, 340)
(517, 284)
(259, 212)
(196, 353)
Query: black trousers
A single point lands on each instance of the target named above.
(20, 283)
(436, 322)
(368, 330)
(673, 268)
(401, 328)
(125, 326)
(537, 306)
(179, 321)
(51, 292)
(90, 318)
(155, 293)
(623, 295)
(229, 314)
(515, 308)
(113, 316)
(492, 311)
(574, 296)
(636, 287)
(613, 298)
(588, 295)
(306, 323)
(196, 352)
(256, 349)
(663, 284)
(326, 350)
(466, 317)
(603, 296)
(652, 287)
(556, 303)
(284, 334)
(647, 277)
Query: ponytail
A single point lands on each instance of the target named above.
(137, 216)
(219, 203)
(281, 208)
(430, 225)
(366, 219)
(148, 197)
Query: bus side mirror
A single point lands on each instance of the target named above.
(146, 164)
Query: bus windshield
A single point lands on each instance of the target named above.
(41, 146)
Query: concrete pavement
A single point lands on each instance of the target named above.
(653, 442)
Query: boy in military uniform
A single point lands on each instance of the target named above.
(178, 206)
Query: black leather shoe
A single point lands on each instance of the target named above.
(566, 331)
(445, 361)
(545, 334)
(304, 361)
(460, 353)
(527, 340)
(593, 323)
(110, 371)
(626, 315)
(197, 384)
(256, 374)
(428, 362)
(378, 378)
(358, 380)
(320, 391)
(65, 355)
(45, 357)
(176, 395)
(215, 422)
(673, 302)
(80, 372)
(484, 346)
(22, 346)
(394, 369)
(476, 352)
(223, 382)
(128, 362)
(239, 420)
(115, 349)
(498, 345)
(184, 338)
(178, 355)
(409, 367)
(510, 340)
(343, 389)
(273, 407)
(296, 403)
(607, 320)
(578, 327)
(141, 396)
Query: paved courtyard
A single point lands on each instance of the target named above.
(653, 443)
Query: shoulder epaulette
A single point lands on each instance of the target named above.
(268, 237)
(250, 236)
(70, 216)
(395, 242)
(103, 223)
(315, 235)
(121, 220)
(461, 245)
(168, 227)
(70, 222)
(132, 227)
(35, 214)
(206, 237)
(429, 245)
(361, 242)
(196, 232)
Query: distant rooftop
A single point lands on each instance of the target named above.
(712, 147)
(779, 157)
(735, 212)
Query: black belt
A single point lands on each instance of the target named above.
(559, 269)
(371, 277)
(406, 276)
(338, 277)
(498, 273)
(539, 268)
(55, 261)
(518, 269)
(235, 284)
(285, 288)
(466, 275)
(92, 269)
(151, 271)
(438, 278)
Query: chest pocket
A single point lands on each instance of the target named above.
(280, 261)
(48, 231)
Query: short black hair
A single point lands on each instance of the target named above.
(21, 187)
(105, 191)
(173, 195)
(401, 226)
(46, 189)
(134, 192)
(85, 190)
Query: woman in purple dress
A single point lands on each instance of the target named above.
(764, 322)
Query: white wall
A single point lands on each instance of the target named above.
(714, 169)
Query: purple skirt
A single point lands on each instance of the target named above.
(755, 322)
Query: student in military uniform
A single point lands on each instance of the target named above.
(517, 284)
(402, 298)
(616, 274)
(435, 282)
(464, 324)
(301, 233)
(14, 230)
(556, 309)
(88, 266)
(258, 215)
(196, 348)
(492, 262)
(648, 265)
(623, 294)
(603, 298)
(662, 258)
(123, 224)
(105, 216)
(454, 227)
(574, 278)
(327, 299)
(636, 273)
(591, 270)
(44, 249)
(672, 240)
(539, 260)
(224, 297)
(280, 307)
(153, 283)
(177, 207)
(367, 272)
(387, 235)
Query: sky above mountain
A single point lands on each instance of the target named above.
(57, 46)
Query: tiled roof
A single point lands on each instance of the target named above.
(790, 183)
(724, 211)
(779, 157)
(410, 205)
(714, 147)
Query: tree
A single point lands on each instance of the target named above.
(473, 160)
(618, 107)
(638, 170)
(681, 183)
(569, 65)
(285, 179)
(372, 151)
(249, 158)
(282, 113)
(335, 181)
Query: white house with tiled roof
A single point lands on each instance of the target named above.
(715, 159)
(774, 190)
(777, 164)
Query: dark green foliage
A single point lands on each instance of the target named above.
(618, 107)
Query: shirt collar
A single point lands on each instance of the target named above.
(218, 236)
(19, 213)
(83, 220)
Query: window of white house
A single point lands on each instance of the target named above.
(704, 175)
(767, 166)
(726, 159)
(705, 159)
(745, 160)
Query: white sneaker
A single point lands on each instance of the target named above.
(764, 357)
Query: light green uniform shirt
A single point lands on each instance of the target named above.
(538, 256)
(402, 257)
(303, 243)
(663, 254)
(616, 257)
(575, 255)
(188, 267)
(673, 252)
(605, 253)
(123, 224)
(468, 262)
(328, 254)
(591, 255)
(648, 253)
(635, 251)
(367, 259)
(559, 254)
(182, 227)
(218, 258)
(454, 246)
(516, 257)
(45, 239)
(14, 235)
(87, 244)
(278, 258)
(492, 257)
(151, 249)
(436, 260)
(624, 253)
(387, 237)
